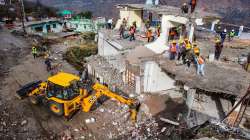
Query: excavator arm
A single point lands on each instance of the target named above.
(101, 90)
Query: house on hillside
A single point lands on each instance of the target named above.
(81, 25)
(44, 26)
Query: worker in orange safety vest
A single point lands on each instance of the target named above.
(173, 50)
(200, 65)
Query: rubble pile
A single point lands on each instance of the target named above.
(108, 74)
(222, 131)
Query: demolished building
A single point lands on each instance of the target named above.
(145, 68)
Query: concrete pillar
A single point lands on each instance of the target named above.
(156, 2)
(190, 100)
(45, 29)
(213, 24)
(240, 30)
(191, 33)
(138, 85)
(166, 25)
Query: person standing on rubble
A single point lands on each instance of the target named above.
(182, 51)
(200, 65)
(48, 64)
(173, 50)
(193, 5)
(110, 23)
(223, 35)
(218, 49)
(158, 31)
(149, 35)
(231, 35)
(122, 30)
(196, 49)
(132, 33)
(188, 53)
(184, 8)
(34, 52)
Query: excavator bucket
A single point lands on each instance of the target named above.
(24, 90)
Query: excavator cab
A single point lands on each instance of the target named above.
(65, 93)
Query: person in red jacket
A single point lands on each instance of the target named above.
(193, 5)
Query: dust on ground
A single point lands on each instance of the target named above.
(22, 120)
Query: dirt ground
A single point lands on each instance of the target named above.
(19, 119)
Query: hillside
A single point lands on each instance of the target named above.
(234, 11)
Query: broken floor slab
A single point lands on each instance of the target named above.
(229, 79)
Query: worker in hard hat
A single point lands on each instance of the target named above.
(158, 31)
(149, 35)
(231, 35)
(184, 8)
(223, 35)
(196, 49)
(182, 51)
(188, 53)
(173, 50)
(218, 49)
(34, 51)
(193, 4)
(200, 65)
(248, 63)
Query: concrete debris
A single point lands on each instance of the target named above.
(76, 130)
(108, 74)
(114, 123)
(87, 121)
(101, 110)
(163, 129)
(91, 120)
(24, 122)
(169, 121)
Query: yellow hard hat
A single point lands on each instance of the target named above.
(217, 41)
(186, 39)
(174, 42)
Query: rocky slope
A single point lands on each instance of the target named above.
(234, 11)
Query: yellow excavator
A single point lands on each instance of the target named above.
(65, 93)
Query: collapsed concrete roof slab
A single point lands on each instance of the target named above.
(169, 10)
(223, 78)
(112, 37)
(139, 52)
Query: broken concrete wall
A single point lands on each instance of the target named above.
(131, 15)
(99, 67)
(105, 48)
(203, 107)
(168, 21)
(154, 79)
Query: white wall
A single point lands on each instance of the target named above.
(58, 28)
(131, 15)
(155, 80)
(168, 21)
(104, 46)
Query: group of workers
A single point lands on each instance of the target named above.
(131, 33)
(150, 36)
(188, 52)
(185, 7)
(223, 35)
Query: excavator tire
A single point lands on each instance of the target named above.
(56, 108)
